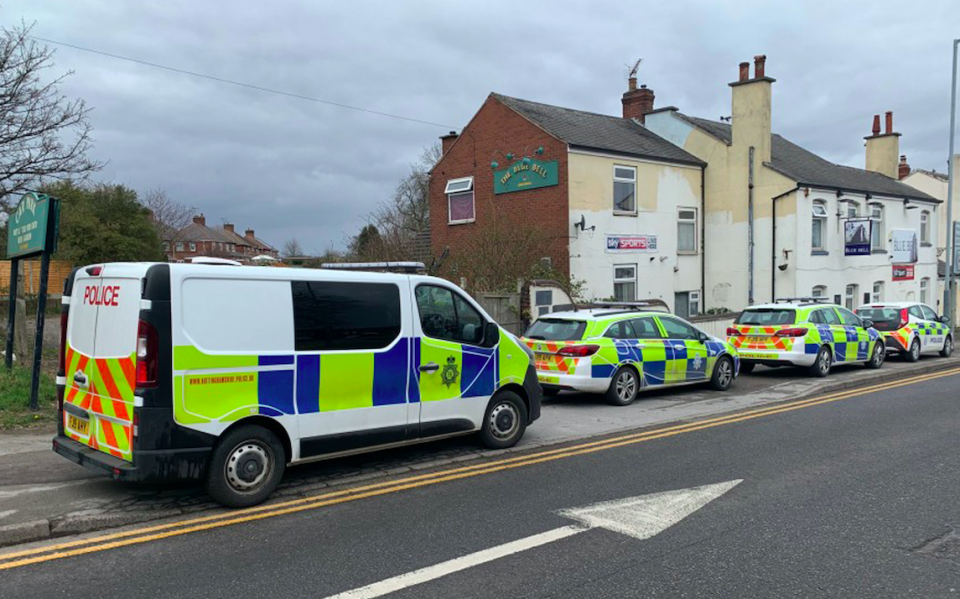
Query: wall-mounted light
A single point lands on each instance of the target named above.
(526, 160)
(494, 164)
(510, 156)
(539, 150)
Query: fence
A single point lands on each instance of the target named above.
(30, 271)
(715, 324)
(504, 308)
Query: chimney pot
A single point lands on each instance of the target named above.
(876, 124)
(632, 84)
(446, 141)
(903, 169)
(758, 65)
(744, 71)
(889, 123)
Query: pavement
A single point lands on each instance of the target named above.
(853, 497)
(44, 496)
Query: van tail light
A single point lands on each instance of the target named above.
(904, 318)
(578, 351)
(136, 423)
(147, 349)
(795, 332)
(733, 332)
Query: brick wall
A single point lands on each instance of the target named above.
(495, 131)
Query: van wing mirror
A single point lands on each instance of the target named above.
(491, 334)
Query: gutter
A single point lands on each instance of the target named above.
(703, 237)
(773, 240)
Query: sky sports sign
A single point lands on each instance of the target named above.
(626, 244)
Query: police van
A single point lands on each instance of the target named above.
(227, 373)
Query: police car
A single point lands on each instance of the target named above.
(619, 351)
(910, 328)
(227, 373)
(804, 332)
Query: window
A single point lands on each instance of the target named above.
(925, 290)
(876, 228)
(193, 247)
(556, 329)
(929, 314)
(625, 282)
(853, 209)
(335, 316)
(848, 318)
(915, 311)
(850, 298)
(179, 246)
(767, 316)
(620, 330)
(686, 303)
(925, 227)
(624, 190)
(645, 328)
(446, 315)
(826, 316)
(687, 231)
(460, 206)
(166, 246)
(817, 241)
(676, 329)
(877, 295)
(819, 291)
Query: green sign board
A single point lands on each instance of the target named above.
(29, 225)
(525, 174)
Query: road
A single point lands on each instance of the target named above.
(850, 497)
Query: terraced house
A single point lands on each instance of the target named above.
(197, 239)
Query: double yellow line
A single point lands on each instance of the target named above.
(152, 533)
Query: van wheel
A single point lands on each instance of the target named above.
(505, 421)
(913, 354)
(624, 386)
(245, 467)
(722, 374)
(747, 367)
(821, 366)
(947, 347)
(876, 360)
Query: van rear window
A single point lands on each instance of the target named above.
(556, 329)
(767, 317)
(343, 316)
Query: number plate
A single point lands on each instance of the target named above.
(754, 340)
(78, 425)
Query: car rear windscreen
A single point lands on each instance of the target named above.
(767, 317)
(884, 319)
(555, 329)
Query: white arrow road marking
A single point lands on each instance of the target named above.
(638, 517)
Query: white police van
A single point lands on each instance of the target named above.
(227, 373)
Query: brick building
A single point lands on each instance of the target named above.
(197, 239)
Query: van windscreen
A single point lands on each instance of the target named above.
(556, 329)
(767, 317)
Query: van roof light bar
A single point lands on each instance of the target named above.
(401, 267)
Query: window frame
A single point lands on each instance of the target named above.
(855, 206)
(193, 246)
(876, 292)
(632, 181)
(925, 290)
(821, 220)
(468, 181)
(820, 288)
(473, 205)
(876, 226)
(666, 334)
(696, 232)
(850, 293)
(454, 295)
(632, 279)
(923, 310)
(658, 334)
(925, 227)
(841, 312)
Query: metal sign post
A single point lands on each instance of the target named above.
(32, 229)
(948, 292)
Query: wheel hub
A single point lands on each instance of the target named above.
(248, 467)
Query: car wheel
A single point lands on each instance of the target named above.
(246, 467)
(947, 347)
(505, 421)
(722, 374)
(624, 386)
(746, 367)
(821, 367)
(913, 354)
(876, 360)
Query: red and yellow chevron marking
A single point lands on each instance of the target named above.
(547, 359)
(901, 336)
(760, 338)
(108, 400)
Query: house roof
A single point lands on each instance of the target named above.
(806, 168)
(934, 174)
(198, 232)
(589, 130)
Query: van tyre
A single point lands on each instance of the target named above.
(246, 467)
(913, 354)
(722, 376)
(876, 359)
(947, 347)
(746, 367)
(624, 386)
(505, 421)
(821, 366)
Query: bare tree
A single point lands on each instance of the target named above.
(169, 216)
(43, 134)
(292, 248)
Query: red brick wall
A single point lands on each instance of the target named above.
(495, 131)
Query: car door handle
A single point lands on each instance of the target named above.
(679, 347)
(80, 378)
(430, 367)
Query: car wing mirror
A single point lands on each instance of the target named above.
(945, 319)
(867, 323)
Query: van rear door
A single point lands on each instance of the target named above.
(101, 358)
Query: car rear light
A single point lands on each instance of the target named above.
(733, 332)
(904, 318)
(147, 350)
(578, 351)
(791, 333)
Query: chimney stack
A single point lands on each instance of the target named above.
(883, 149)
(228, 227)
(200, 220)
(758, 66)
(744, 71)
(446, 141)
(249, 234)
(903, 169)
(637, 102)
(752, 106)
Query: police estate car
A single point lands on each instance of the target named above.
(910, 328)
(804, 332)
(619, 352)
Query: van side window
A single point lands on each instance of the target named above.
(342, 316)
(446, 315)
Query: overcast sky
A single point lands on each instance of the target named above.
(292, 168)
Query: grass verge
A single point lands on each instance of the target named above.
(15, 399)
